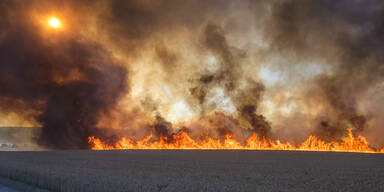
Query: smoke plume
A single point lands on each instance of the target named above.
(348, 35)
(68, 83)
(282, 69)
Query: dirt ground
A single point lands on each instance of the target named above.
(147, 170)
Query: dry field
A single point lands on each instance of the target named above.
(180, 170)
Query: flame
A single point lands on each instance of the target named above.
(182, 140)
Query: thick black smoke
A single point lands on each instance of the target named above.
(130, 23)
(67, 80)
(229, 78)
(348, 35)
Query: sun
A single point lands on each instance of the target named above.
(54, 22)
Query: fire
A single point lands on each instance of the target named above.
(54, 22)
(182, 140)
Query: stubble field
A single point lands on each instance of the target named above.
(183, 170)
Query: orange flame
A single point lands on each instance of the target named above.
(182, 140)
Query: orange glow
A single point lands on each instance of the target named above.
(182, 140)
(54, 22)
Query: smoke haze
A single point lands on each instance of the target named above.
(283, 69)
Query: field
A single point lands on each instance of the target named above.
(180, 170)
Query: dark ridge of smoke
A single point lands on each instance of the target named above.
(230, 68)
(220, 124)
(199, 92)
(359, 122)
(327, 132)
(343, 102)
(247, 101)
(162, 128)
(346, 34)
(129, 23)
(69, 83)
(149, 105)
(251, 94)
(228, 76)
(258, 122)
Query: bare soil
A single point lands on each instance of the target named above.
(183, 170)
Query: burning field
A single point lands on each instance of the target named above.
(281, 75)
(182, 140)
(193, 75)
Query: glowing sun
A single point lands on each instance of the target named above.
(54, 22)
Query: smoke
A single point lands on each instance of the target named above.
(69, 83)
(282, 69)
(228, 77)
(348, 35)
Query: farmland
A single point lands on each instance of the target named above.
(194, 170)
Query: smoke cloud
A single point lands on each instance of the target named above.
(282, 69)
(345, 34)
(68, 83)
